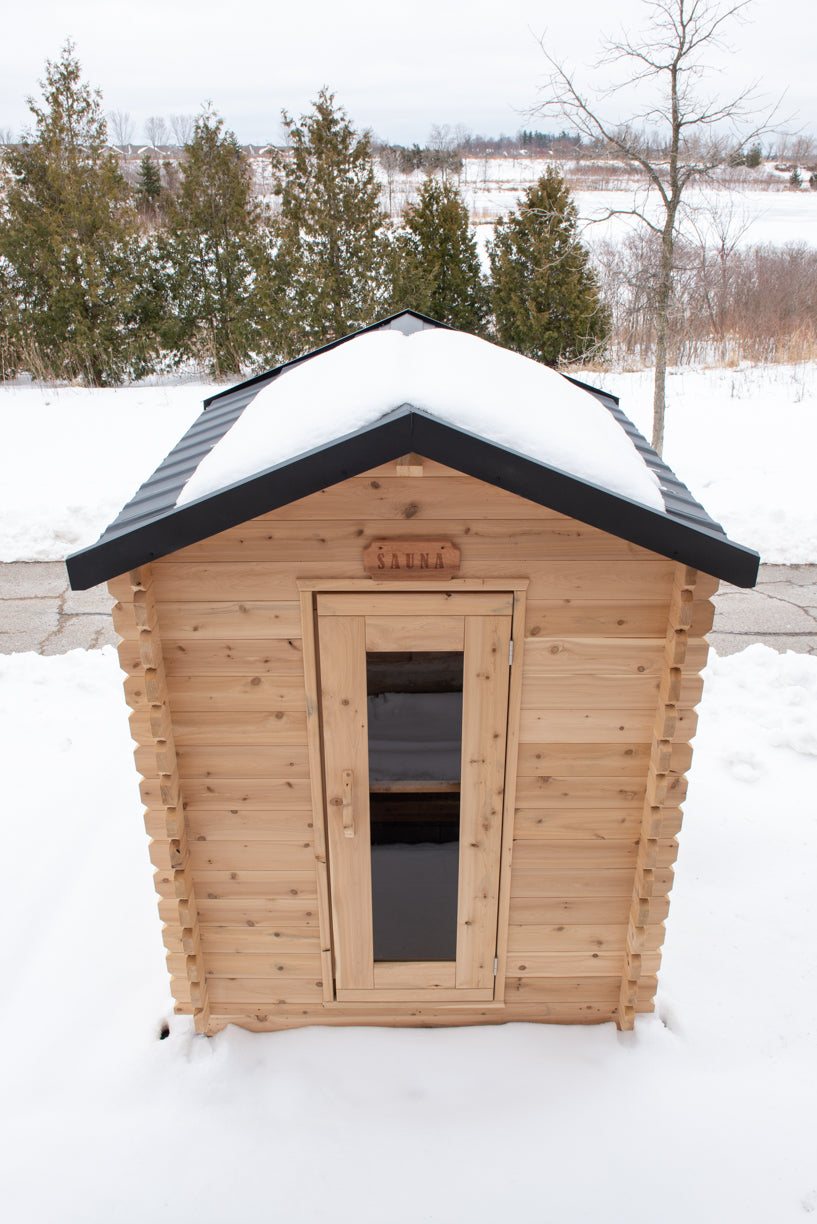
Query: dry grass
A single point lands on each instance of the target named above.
(753, 305)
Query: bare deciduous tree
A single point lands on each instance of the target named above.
(182, 126)
(156, 130)
(121, 126)
(719, 230)
(694, 128)
(796, 148)
(442, 138)
(462, 137)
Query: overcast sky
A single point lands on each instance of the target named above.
(397, 68)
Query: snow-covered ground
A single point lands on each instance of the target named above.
(704, 1113)
(743, 439)
(72, 457)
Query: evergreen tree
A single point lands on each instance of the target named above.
(68, 246)
(330, 271)
(149, 191)
(214, 252)
(437, 262)
(544, 294)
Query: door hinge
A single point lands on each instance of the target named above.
(510, 653)
(496, 964)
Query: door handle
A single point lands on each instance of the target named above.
(348, 811)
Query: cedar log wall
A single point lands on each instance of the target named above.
(212, 647)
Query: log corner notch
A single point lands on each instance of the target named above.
(675, 723)
(140, 650)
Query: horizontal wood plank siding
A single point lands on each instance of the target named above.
(228, 614)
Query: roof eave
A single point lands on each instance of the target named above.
(404, 430)
(269, 490)
(704, 549)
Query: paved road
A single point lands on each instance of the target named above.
(781, 611)
(39, 612)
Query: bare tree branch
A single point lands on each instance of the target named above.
(121, 126)
(694, 131)
(182, 126)
(156, 130)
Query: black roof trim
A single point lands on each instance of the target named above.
(701, 544)
(705, 547)
(151, 525)
(179, 527)
(597, 391)
(157, 496)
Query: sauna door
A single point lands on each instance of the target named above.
(414, 697)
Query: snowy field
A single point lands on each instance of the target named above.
(743, 439)
(743, 212)
(704, 1113)
(741, 218)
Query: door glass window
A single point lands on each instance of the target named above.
(414, 701)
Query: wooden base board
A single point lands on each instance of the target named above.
(451, 1016)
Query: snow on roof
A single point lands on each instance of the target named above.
(463, 381)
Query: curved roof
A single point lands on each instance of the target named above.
(152, 524)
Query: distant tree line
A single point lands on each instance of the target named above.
(448, 147)
(102, 280)
(422, 157)
(543, 141)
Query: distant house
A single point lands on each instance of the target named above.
(413, 630)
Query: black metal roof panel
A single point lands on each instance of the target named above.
(160, 491)
(151, 525)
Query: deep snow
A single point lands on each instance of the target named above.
(704, 1113)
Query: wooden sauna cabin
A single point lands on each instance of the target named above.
(412, 630)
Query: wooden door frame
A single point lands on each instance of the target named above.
(309, 589)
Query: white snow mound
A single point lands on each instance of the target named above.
(466, 382)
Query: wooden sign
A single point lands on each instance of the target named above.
(411, 559)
